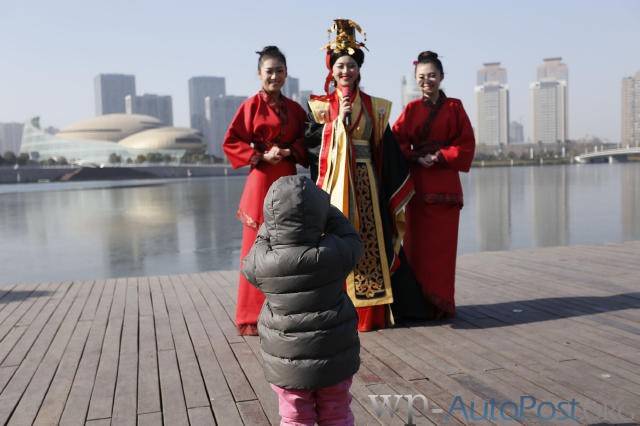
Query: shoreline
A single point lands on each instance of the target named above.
(39, 174)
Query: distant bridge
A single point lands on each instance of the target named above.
(608, 155)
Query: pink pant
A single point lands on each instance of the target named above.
(328, 406)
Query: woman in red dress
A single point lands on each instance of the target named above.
(435, 135)
(355, 159)
(266, 134)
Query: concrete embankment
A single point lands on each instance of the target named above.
(28, 174)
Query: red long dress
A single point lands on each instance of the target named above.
(260, 123)
(432, 216)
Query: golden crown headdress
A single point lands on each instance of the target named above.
(345, 40)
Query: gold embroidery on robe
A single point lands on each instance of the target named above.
(355, 193)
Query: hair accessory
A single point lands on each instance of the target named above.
(345, 36)
(415, 63)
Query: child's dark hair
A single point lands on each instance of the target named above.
(429, 57)
(271, 52)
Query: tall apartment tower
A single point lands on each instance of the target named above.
(549, 99)
(305, 95)
(410, 91)
(219, 112)
(160, 107)
(516, 132)
(631, 110)
(10, 137)
(199, 89)
(110, 91)
(291, 88)
(492, 105)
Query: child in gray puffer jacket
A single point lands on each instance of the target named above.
(308, 325)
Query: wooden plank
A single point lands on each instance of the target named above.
(22, 347)
(392, 358)
(77, 404)
(253, 414)
(148, 382)
(150, 419)
(125, 399)
(574, 334)
(56, 397)
(192, 383)
(174, 408)
(218, 391)
(5, 375)
(12, 300)
(101, 403)
(164, 338)
(201, 416)
(396, 385)
(27, 409)
(99, 422)
(91, 306)
(25, 310)
(10, 340)
(14, 390)
(208, 286)
(235, 378)
(253, 370)
(51, 410)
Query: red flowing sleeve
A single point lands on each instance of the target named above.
(402, 131)
(237, 143)
(459, 154)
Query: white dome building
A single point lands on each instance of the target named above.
(95, 140)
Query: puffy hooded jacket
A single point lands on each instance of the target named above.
(304, 251)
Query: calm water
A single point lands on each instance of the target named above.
(94, 230)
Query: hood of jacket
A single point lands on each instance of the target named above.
(295, 211)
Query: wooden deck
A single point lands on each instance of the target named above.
(554, 324)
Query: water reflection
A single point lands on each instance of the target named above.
(549, 204)
(92, 231)
(493, 209)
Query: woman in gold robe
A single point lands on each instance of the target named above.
(354, 158)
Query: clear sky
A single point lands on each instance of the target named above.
(50, 51)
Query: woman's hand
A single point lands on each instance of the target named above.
(345, 108)
(428, 160)
(276, 154)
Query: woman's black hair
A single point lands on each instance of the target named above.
(358, 56)
(429, 57)
(271, 52)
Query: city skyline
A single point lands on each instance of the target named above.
(53, 51)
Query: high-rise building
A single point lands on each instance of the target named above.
(291, 88)
(199, 89)
(549, 102)
(492, 105)
(305, 95)
(10, 137)
(631, 110)
(516, 132)
(410, 91)
(219, 112)
(110, 91)
(160, 107)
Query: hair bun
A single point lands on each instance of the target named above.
(268, 50)
(427, 54)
